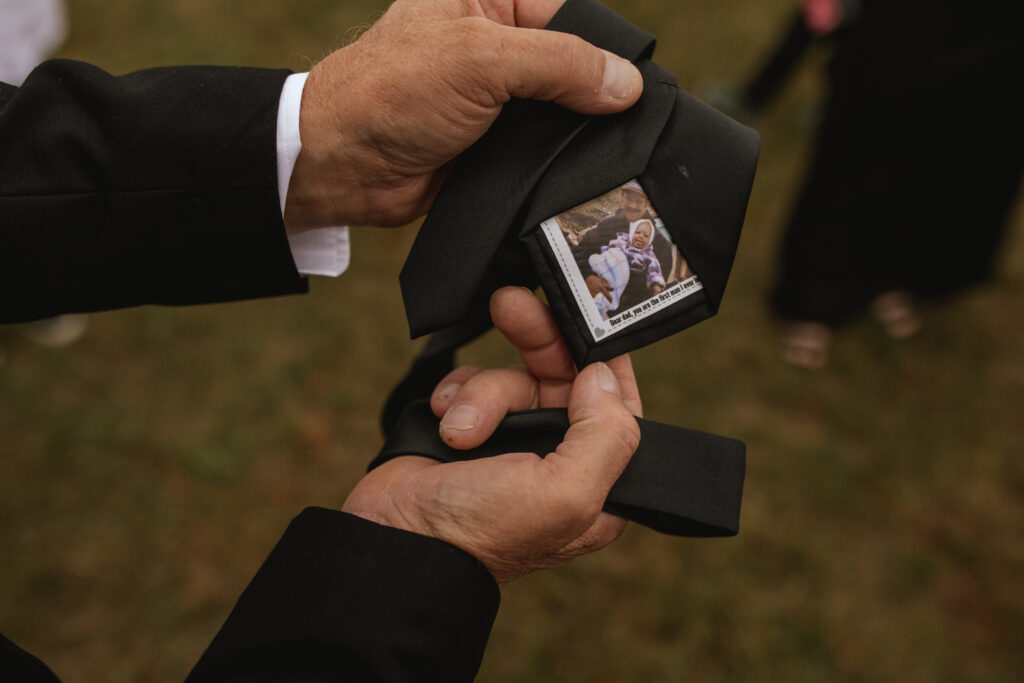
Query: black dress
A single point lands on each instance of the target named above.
(918, 159)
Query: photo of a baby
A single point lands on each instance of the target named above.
(627, 257)
(619, 259)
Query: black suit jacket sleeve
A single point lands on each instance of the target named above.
(154, 187)
(343, 599)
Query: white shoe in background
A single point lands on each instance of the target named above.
(55, 332)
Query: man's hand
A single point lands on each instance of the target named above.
(517, 512)
(598, 285)
(382, 118)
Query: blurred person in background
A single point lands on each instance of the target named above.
(815, 21)
(30, 30)
(198, 184)
(915, 169)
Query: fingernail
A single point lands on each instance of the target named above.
(461, 417)
(448, 392)
(607, 379)
(621, 78)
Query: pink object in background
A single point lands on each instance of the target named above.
(823, 16)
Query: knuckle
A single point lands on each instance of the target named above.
(486, 382)
(580, 57)
(474, 58)
(474, 36)
(572, 48)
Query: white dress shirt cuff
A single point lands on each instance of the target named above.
(323, 251)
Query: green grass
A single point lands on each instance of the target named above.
(147, 471)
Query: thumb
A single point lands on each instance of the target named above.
(602, 437)
(563, 68)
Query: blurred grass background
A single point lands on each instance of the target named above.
(147, 471)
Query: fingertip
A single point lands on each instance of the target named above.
(622, 366)
(596, 396)
(441, 399)
(459, 425)
(599, 375)
(447, 390)
(481, 404)
(622, 81)
(607, 380)
(506, 297)
(566, 69)
(460, 418)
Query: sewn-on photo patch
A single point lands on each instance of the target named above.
(618, 259)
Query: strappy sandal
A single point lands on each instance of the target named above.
(806, 344)
(898, 314)
(62, 330)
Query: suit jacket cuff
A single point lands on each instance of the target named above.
(343, 599)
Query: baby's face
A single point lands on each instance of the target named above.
(641, 236)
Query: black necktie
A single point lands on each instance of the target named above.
(679, 481)
(482, 233)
